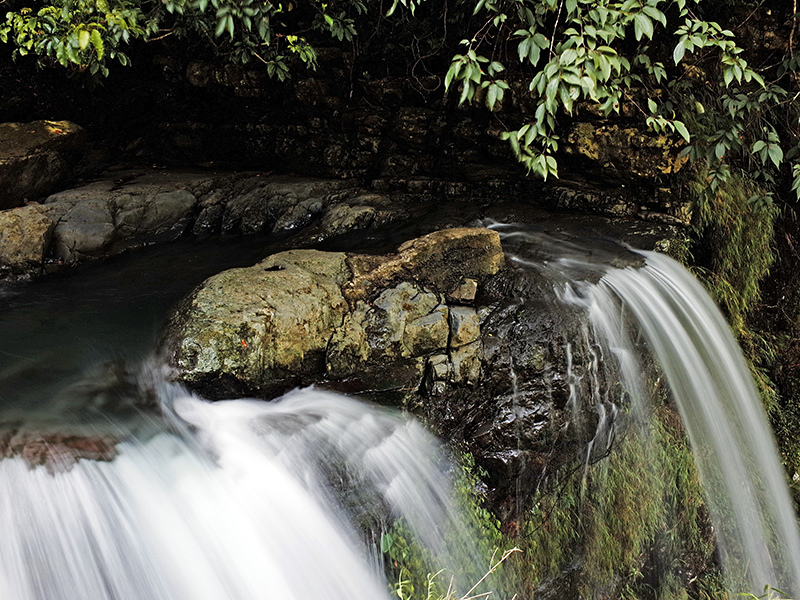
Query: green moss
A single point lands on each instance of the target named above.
(630, 525)
(737, 236)
(739, 253)
(677, 247)
(739, 239)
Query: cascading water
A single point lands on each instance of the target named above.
(722, 412)
(745, 487)
(249, 501)
(237, 499)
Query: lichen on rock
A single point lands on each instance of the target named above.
(629, 152)
(251, 326)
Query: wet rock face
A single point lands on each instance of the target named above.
(34, 158)
(518, 419)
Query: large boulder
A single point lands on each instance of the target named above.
(34, 158)
(356, 321)
(104, 218)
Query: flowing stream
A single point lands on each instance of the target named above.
(244, 499)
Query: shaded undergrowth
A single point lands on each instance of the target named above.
(632, 525)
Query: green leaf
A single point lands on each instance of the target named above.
(534, 54)
(493, 95)
(522, 48)
(83, 39)
(97, 43)
(466, 92)
(604, 65)
(453, 72)
(642, 26)
(680, 50)
(220, 27)
(727, 76)
(655, 14)
(652, 105)
(568, 56)
(776, 155)
(681, 129)
(552, 89)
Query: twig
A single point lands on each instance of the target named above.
(555, 28)
(259, 57)
(155, 39)
(506, 554)
(754, 11)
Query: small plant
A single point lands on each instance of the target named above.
(403, 592)
(769, 593)
(416, 573)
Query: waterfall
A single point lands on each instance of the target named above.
(243, 499)
(721, 410)
(710, 383)
(246, 499)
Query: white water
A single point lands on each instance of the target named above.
(248, 501)
(745, 486)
